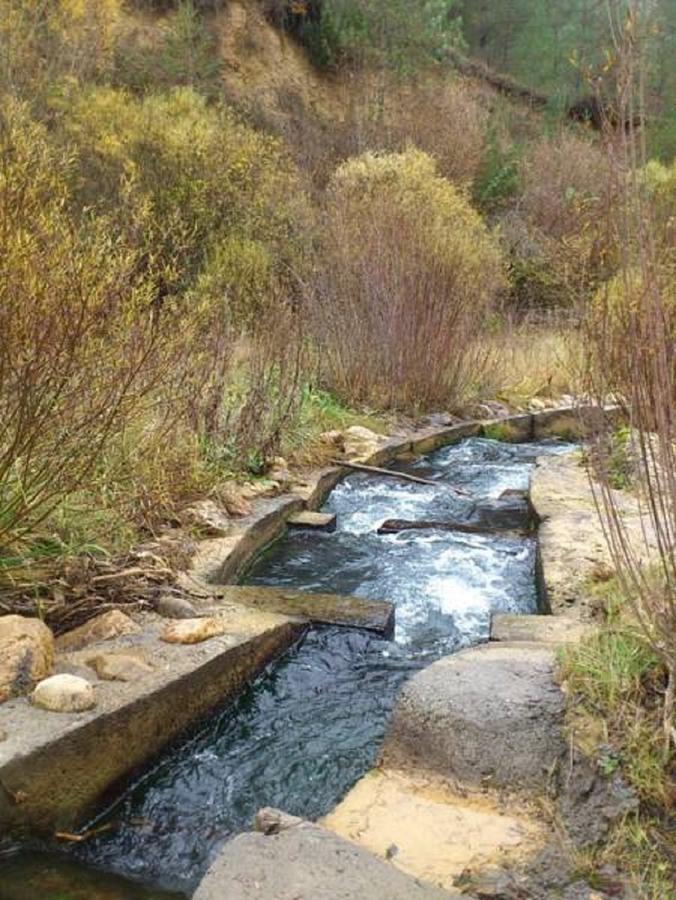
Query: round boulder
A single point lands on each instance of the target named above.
(173, 607)
(64, 693)
(104, 627)
(26, 654)
(487, 717)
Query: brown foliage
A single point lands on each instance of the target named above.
(410, 273)
(632, 352)
(78, 335)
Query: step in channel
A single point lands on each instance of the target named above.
(323, 609)
(539, 629)
(317, 521)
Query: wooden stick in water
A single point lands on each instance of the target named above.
(404, 476)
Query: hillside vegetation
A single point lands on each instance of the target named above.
(229, 227)
(207, 231)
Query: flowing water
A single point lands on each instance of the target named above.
(303, 733)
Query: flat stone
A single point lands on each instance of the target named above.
(316, 520)
(64, 693)
(210, 518)
(489, 716)
(171, 607)
(307, 863)
(194, 631)
(541, 629)
(105, 627)
(26, 654)
(428, 830)
(335, 439)
(279, 471)
(362, 443)
(327, 609)
(119, 666)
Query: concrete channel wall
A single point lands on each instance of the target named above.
(56, 768)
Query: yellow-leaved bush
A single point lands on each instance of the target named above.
(624, 310)
(207, 198)
(147, 246)
(410, 273)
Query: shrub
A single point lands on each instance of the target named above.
(660, 183)
(619, 315)
(442, 117)
(79, 340)
(44, 42)
(410, 273)
(565, 179)
(560, 243)
(205, 198)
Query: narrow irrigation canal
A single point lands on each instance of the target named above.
(310, 726)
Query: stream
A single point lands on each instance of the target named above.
(309, 727)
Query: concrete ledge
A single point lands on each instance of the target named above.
(55, 768)
(541, 629)
(513, 429)
(323, 609)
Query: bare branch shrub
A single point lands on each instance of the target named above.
(443, 117)
(410, 274)
(631, 339)
(78, 339)
(558, 238)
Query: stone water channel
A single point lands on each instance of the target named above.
(310, 726)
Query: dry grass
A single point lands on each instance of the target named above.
(528, 360)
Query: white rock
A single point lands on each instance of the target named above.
(64, 693)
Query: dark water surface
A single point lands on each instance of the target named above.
(310, 726)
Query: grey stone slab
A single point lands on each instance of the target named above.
(541, 629)
(307, 863)
(56, 767)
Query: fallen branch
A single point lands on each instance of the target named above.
(85, 835)
(393, 526)
(404, 476)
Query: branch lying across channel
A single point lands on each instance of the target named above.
(404, 476)
(393, 526)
